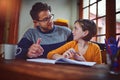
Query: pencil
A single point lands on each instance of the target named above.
(79, 54)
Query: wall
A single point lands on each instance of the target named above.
(66, 9)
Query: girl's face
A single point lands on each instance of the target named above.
(78, 33)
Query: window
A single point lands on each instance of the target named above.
(92, 10)
(118, 19)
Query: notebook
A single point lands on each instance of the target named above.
(62, 60)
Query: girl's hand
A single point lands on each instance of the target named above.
(69, 53)
(79, 57)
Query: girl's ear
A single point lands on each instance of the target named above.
(86, 32)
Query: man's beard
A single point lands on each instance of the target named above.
(46, 29)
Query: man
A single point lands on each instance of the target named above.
(46, 36)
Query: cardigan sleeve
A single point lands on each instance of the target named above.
(61, 49)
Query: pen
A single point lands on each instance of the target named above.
(108, 47)
(79, 54)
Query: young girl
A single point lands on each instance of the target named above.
(80, 48)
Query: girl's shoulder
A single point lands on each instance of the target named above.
(73, 43)
(94, 45)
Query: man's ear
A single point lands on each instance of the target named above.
(35, 23)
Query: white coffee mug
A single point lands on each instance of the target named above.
(9, 51)
(1, 50)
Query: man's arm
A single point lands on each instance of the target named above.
(24, 45)
(70, 38)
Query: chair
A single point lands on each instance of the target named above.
(61, 22)
(101, 45)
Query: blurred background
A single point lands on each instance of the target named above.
(15, 18)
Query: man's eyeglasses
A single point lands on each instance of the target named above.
(47, 18)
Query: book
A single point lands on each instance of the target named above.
(62, 61)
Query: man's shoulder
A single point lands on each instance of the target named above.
(62, 28)
(31, 30)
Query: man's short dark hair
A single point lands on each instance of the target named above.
(89, 25)
(37, 8)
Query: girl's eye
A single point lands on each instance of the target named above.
(75, 28)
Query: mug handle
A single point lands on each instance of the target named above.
(18, 49)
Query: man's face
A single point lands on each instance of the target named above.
(45, 21)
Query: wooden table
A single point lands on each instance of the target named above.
(23, 70)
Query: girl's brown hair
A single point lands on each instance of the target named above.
(89, 25)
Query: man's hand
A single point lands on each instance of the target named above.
(35, 50)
